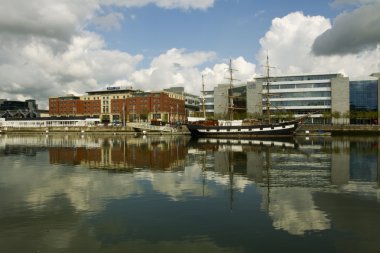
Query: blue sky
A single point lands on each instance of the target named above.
(231, 28)
(52, 48)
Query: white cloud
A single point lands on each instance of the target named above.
(84, 65)
(176, 67)
(289, 43)
(53, 19)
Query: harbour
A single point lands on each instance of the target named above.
(169, 192)
(166, 126)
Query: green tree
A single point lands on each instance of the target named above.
(326, 117)
(336, 115)
(346, 117)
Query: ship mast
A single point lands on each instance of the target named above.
(203, 98)
(267, 102)
(230, 100)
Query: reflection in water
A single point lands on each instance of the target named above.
(124, 153)
(208, 191)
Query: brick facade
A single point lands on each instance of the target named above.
(121, 106)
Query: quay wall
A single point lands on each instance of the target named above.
(82, 130)
(339, 129)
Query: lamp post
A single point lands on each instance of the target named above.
(124, 121)
(170, 116)
(154, 111)
(134, 115)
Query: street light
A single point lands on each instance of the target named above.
(177, 114)
(171, 113)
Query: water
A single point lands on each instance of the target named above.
(172, 194)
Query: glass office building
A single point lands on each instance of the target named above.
(364, 102)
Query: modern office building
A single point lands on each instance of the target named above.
(19, 109)
(295, 96)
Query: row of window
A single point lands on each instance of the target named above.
(298, 86)
(305, 78)
(301, 103)
(309, 94)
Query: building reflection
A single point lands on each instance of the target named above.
(121, 153)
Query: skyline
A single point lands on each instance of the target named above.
(52, 48)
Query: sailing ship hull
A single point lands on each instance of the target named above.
(285, 129)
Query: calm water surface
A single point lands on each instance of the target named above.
(172, 194)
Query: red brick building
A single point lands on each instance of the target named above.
(69, 105)
(116, 105)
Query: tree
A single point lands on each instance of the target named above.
(336, 115)
(326, 116)
(346, 117)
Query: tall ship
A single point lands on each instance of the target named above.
(250, 128)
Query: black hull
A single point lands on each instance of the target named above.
(286, 129)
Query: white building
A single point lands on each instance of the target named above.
(295, 96)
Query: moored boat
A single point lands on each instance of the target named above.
(237, 128)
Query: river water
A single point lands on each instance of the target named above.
(173, 194)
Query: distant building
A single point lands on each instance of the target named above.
(29, 104)
(19, 109)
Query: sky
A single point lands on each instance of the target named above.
(52, 48)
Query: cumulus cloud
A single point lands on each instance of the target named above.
(289, 43)
(352, 32)
(53, 19)
(40, 71)
(176, 67)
